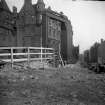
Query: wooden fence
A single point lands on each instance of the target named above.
(19, 54)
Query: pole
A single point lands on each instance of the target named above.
(28, 56)
(41, 54)
(41, 45)
(12, 57)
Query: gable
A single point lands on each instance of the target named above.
(4, 6)
(27, 9)
(27, 14)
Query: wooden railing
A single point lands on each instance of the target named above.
(19, 54)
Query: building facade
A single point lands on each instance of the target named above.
(7, 28)
(37, 26)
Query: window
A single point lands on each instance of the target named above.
(54, 30)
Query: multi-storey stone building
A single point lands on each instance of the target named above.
(7, 27)
(36, 26)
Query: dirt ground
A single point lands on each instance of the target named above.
(71, 85)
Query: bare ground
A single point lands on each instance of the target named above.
(71, 85)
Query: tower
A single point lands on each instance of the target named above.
(40, 5)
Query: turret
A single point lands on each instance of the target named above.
(40, 5)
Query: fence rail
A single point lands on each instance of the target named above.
(18, 54)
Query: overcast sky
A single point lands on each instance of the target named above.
(87, 18)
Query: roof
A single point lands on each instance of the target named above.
(40, 1)
(4, 6)
(55, 15)
(1, 6)
(27, 8)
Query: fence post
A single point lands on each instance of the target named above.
(45, 53)
(12, 57)
(28, 56)
(41, 54)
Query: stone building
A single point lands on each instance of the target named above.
(75, 53)
(37, 26)
(7, 28)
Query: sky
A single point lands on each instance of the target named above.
(87, 18)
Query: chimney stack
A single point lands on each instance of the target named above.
(14, 9)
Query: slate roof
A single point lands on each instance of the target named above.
(4, 6)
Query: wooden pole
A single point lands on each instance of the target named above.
(28, 56)
(12, 57)
(41, 54)
(41, 44)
